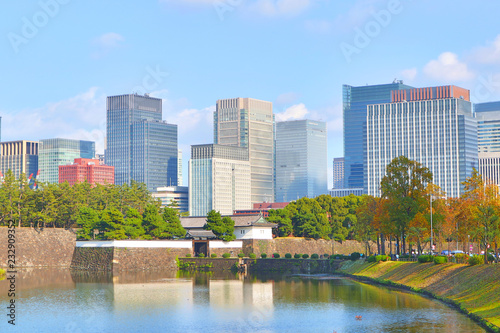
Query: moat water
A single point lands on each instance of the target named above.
(57, 300)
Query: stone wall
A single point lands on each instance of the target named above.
(217, 264)
(50, 247)
(93, 258)
(301, 245)
(136, 259)
(233, 251)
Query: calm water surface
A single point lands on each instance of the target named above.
(57, 300)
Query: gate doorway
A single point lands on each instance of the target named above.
(201, 247)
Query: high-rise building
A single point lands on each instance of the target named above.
(248, 123)
(218, 179)
(338, 172)
(179, 168)
(86, 170)
(434, 126)
(355, 102)
(488, 140)
(140, 145)
(168, 194)
(20, 157)
(56, 152)
(301, 160)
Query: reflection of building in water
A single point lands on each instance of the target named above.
(153, 295)
(237, 294)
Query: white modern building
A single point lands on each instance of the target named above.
(168, 194)
(434, 126)
(248, 123)
(338, 172)
(219, 179)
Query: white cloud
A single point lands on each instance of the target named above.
(448, 68)
(358, 14)
(409, 74)
(489, 54)
(105, 43)
(294, 112)
(81, 117)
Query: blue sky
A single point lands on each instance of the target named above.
(59, 59)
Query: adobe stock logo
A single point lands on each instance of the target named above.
(48, 9)
(363, 37)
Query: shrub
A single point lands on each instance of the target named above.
(326, 256)
(382, 257)
(188, 255)
(425, 258)
(314, 256)
(491, 258)
(355, 256)
(276, 255)
(241, 255)
(476, 260)
(371, 259)
(226, 255)
(288, 255)
(440, 260)
(297, 255)
(201, 255)
(305, 256)
(213, 255)
(263, 255)
(252, 256)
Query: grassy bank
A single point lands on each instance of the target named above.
(474, 289)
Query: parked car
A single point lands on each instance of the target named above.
(445, 252)
(456, 252)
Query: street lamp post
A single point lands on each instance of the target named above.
(432, 244)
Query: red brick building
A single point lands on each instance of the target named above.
(86, 169)
(261, 208)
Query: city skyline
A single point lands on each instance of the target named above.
(302, 53)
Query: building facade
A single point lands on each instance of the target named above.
(20, 157)
(248, 123)
(338, 172)
(433, 126)
(140, 145)
(56, 152)
(355, 103)
(219, 179)
(301, 160)
(179, 194)
(488, 140)
(86, 170)
(344, 192)
(179, 168)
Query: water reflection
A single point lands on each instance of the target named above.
(208, 302)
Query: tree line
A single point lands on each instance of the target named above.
(401, 215)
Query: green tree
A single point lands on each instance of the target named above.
(133, 224)
(364, 230)
(112, 224)
(404, 187)
(153, 223)
(173, 226)
(282, 218)
(223, 228)
(87, 220)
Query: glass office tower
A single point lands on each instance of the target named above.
(248, 122)
(301, 160)
(55, 152)
(139, 144)
(434, 126)
(355, 102)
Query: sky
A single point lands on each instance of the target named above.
(59, 59)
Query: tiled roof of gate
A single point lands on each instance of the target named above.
(239, 221)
